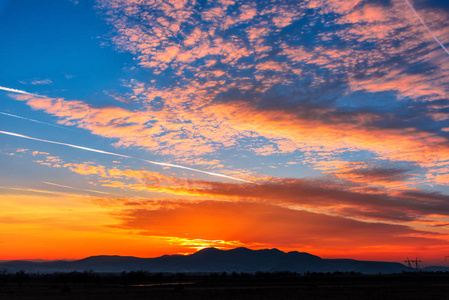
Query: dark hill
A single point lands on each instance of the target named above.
(211, 260)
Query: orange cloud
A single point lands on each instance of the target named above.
(362, 172)
(324, 197)
(277, 227)
(124, 178)
(86, 169)
(328, 197)
(131, 128)
(50, 161)
(283, 127)
(227, 123)
(37, 152)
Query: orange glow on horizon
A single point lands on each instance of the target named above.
(66, 226)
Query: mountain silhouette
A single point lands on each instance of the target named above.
(211, 260)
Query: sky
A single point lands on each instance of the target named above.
(151, 127)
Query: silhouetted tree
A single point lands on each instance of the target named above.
(20, 277)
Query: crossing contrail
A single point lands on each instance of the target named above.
(36, 121)
(122, 155)
(425, 26)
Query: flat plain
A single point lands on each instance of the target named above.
(141, 285)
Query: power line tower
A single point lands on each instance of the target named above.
(414, 264)
(417, 266)
(409, 263)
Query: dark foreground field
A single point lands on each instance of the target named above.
(142, 285)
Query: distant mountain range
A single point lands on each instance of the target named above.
(213, 260)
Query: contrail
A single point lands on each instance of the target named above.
(425, 26)
(36, 121)
(121, 155)
(191, 169)
(63, 144)
(31, 190)
(16, 91)
(51, 192)
(73, 188)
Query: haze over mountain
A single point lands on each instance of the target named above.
(213, 260)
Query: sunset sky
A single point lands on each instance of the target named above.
(151, 127)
